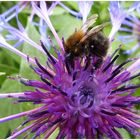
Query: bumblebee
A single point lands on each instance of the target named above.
(87, 43)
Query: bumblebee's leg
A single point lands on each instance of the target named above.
(67, 66)
(98, 63)
(88, 62)
(69, 62)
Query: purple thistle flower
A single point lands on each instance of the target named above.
(88, 103)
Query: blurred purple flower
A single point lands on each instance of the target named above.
(89, 103)
(74, 13)
(118, 14)
(41, 24)
(11, 13)
(85, 7)
(131, 26)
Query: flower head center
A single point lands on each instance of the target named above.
(86, 94)
(84, 97)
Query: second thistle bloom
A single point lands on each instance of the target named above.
(117, 14)
(130, 29)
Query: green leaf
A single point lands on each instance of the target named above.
(8, 108)
(9, 58)
(25, 70)
(10, 85)
(54, 134)
(67, 25)
(58, 11)
(123, 133)
(72, 5)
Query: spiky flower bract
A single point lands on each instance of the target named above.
(89, 102)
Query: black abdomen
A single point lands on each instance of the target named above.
(98, 45)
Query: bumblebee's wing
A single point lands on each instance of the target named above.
(93, 31)
(90, 21)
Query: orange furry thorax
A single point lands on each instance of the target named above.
(74, 39)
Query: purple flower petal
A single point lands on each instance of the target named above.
(43, 13)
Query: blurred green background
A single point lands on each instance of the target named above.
(12, 65)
